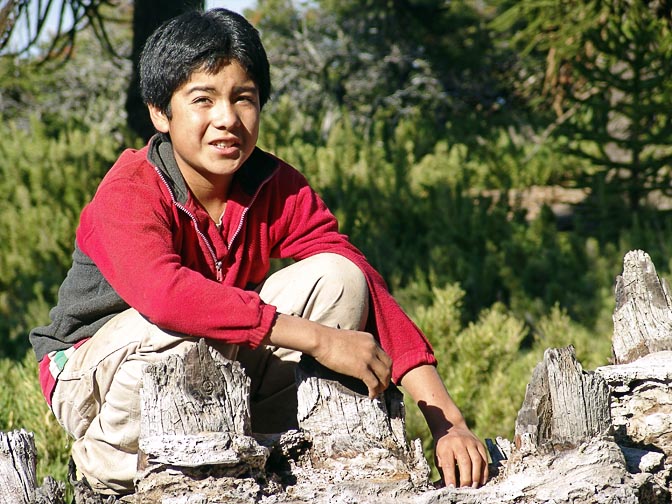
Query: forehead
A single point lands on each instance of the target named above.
(229, 74)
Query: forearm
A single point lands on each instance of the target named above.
(460, 456)
(295, 333)
(353, 353)
(425, 386)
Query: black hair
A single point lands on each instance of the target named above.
(197, 41)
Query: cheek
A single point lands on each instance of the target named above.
(252, 125)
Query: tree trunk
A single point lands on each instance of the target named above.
(147, 17)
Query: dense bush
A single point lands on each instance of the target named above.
(45, 187)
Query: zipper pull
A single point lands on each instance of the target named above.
(218, 267)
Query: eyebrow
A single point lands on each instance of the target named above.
(210, 89)
(200, 89)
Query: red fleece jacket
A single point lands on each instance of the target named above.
(163, 255)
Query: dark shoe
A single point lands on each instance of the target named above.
(84, 494)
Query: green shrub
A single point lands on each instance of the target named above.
(45, 188)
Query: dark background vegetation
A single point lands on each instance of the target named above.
(495, 160)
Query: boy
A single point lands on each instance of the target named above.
(175, 246)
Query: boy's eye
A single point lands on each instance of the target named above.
(201, 99)
(247, 98)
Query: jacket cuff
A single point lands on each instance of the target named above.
(410, 360)
(268, 316)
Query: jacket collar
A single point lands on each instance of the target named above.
(258, 168)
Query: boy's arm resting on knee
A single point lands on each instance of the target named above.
(460, 456)
(353, 353)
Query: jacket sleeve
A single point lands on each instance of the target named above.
(128, 231)
(310, 228)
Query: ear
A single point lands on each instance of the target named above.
(159, 119)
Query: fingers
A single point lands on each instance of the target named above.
(448, 469)
(462, 463)
(483, 475)
(378, 373)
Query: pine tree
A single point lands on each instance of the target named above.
(606, 68)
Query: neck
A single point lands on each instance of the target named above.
(212, 197)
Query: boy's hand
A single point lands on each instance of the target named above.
(460, 458)
(355, 353)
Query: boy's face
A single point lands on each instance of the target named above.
(214, 125)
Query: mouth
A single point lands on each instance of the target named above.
(227, 148)
(224, 144)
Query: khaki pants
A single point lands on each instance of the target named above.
(97, 398)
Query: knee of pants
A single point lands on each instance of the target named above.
(326, 288)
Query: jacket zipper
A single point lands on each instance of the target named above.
(206, 240)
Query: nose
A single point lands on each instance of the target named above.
(224, 115)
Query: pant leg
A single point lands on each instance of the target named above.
(97, 397)
(325, 288)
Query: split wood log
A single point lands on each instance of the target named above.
(18, 480)
(643, 314)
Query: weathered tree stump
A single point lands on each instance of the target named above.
(195, 438)
(643, 314)
(641, 378)
(196, 442)
(359, 451)
(564, 406)
(18, 480)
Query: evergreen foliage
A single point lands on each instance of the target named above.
(605, 73)
(45, 187)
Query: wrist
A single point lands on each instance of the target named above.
(295, 333)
